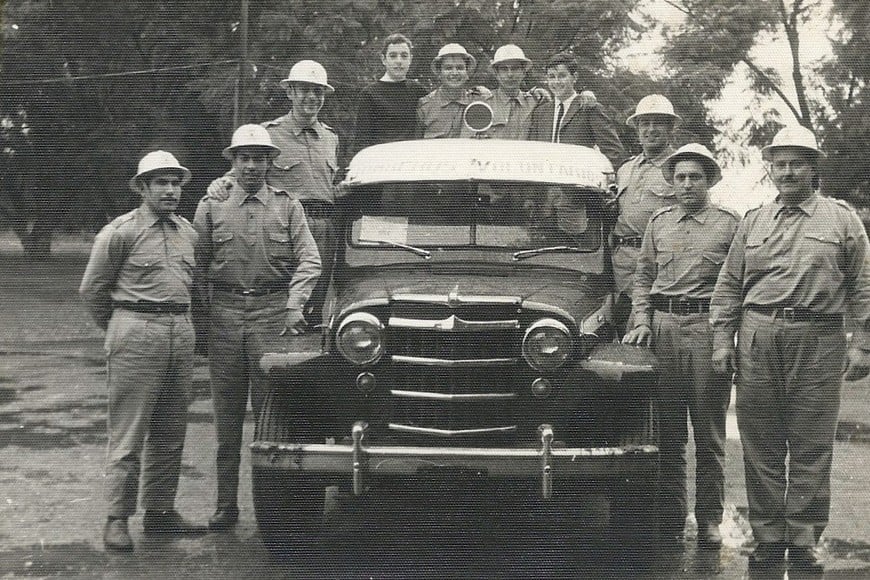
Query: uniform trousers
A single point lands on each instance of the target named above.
(788, 398)
(322, 226)
(683, 344)
(242, 329)
(149, 371)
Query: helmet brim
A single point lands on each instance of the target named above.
(228, 152)
(184, 172)
(288, 81)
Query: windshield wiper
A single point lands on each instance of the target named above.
(523, 254)
(425, 254)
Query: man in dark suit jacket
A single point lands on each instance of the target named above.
(580, 118)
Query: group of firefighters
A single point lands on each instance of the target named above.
(760, 301)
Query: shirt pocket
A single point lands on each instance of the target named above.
(710, 264)
(279, 247)
(822, 250)
(223, 245)
(755, 254)
(665, 267)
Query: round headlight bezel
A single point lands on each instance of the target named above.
(360, 321)
(531, 340)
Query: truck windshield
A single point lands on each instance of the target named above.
(488, 215)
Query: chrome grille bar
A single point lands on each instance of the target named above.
(456, 397)
(454, 324)
(450, 363)
(451, 432)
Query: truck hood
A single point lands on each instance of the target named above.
(572, 295)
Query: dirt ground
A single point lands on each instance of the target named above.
(52, 445)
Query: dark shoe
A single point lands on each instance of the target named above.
(805, 559)
(223, 519)
(709, 536)
(116, 536)
(170, 522)
(767, 556)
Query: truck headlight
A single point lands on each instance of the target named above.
(360, 338)
(547, 345)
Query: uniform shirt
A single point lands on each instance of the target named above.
(642, 192)
(511, 115)
(307, 165)
(439, 116)
(814, 255)
(139, 257)
(250, 241)
(681, 255)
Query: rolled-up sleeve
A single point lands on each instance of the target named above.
(727, 301)
(101, 274)
(308, 264)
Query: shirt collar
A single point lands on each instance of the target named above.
(807, 206)
(297, 128)
(700, 217)
(443, 100)
(150, 218)
(659, 159)
(567, 102)
(242, 196)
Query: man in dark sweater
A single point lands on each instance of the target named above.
(387, 108)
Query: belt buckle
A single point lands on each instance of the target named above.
(683, 305)
(248, 292)
(788, 314)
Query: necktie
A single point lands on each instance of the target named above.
(557, 126)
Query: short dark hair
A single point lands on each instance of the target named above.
(396, 38)
(562, 58)
(706, 164)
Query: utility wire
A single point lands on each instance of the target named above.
(70, 78)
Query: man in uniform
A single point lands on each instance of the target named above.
(439, 114)
(642, 191)
(257, 262)
(137, 287)
(387, 108)
(511, 107)
(683, 249)
(797, 267)
(306, 167)
(572, 118)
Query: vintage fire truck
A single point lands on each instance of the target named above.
(469, 339)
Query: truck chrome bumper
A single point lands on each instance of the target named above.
(544, 463)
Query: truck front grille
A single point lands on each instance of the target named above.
(453, 368)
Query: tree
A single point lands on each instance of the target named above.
(846, 173)
(100, 83)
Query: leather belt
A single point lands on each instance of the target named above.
(315, 208)
(633, 241)
(797, 314)
(256, 291)
(153, 307)
(680, 304)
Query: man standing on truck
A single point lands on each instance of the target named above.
(306, 167)
(257, 263)
(439, 114)
(797, 267)
(683, 249)
(387, 108)
(642, 191)
(137, 286)
(511, 106)
(572, 118)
